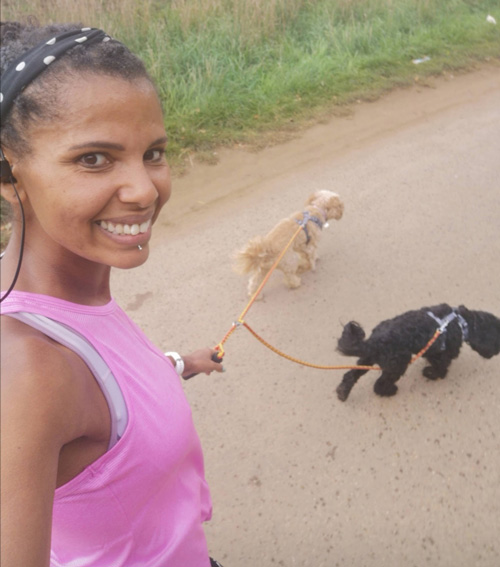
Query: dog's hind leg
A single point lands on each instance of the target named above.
(386, 383)
(350, 378)
(255, 280)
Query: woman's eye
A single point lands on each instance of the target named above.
(154, 155)
(93, 160)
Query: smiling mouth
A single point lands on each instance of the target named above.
(120, 228)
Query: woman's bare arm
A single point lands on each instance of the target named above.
(40, 413)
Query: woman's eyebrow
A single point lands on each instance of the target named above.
(162, 140)
(98, 144)
(112, 146)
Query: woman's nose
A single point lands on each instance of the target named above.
(138, 187)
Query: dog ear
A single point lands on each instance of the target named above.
(335, 207)
(311, 198)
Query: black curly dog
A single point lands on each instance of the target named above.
(393, 342)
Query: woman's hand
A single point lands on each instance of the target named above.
(201, 361)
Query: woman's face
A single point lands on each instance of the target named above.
(97, 177)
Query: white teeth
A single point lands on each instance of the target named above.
(120, 228)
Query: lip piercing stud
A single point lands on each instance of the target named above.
(139, 246)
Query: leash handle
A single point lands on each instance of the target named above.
(216, 357)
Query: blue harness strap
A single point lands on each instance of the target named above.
(443, 324)
(306, 217)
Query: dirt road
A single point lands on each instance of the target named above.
(298, 477)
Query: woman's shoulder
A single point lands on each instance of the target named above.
(42, 376)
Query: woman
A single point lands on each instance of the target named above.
(101, 465)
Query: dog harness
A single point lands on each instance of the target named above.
(443, 324)
(306, 218)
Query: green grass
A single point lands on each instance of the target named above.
(235, 70)
(250, 71)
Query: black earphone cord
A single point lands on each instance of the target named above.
(21, 250)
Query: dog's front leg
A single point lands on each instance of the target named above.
(289, 265)
(309, 256)
(350, 378)
(439, 364)
(313, 257)
(304, 264)
(292, 281)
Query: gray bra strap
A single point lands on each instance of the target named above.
(81, 346)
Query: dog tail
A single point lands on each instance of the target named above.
(351, 343)
(253, 256)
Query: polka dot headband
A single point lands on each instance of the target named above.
(26, 68)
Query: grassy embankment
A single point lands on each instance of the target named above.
(252, 71)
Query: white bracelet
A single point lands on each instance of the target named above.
(179, 363)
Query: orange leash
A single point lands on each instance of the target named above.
(268, 275)
(298, 361)
(427, 346)
(220, 348)
(336, 367)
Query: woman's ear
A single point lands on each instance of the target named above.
(5, 171)
(8, 191)
(7, 180)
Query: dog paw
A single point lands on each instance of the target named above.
(260, 297)
(385, 388)
(343, 392)
(431, 373)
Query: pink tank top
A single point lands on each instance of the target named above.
(143, 503)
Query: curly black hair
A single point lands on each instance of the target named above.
(38, 102)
